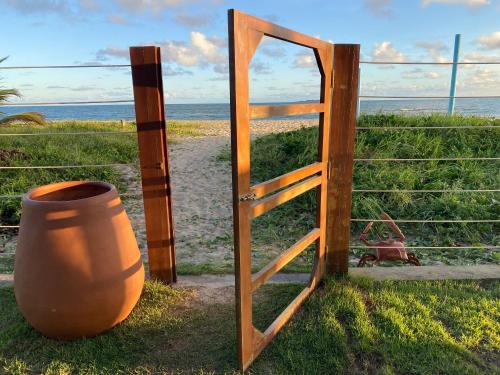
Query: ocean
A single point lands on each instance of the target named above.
(482, 107)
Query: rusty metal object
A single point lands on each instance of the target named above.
(390, 249)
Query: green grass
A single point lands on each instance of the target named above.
(347, 326)
(67, 150)
(276, 154)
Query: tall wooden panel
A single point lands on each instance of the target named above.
(343, 132)
(153, 155)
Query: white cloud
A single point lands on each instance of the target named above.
(384, 51)
(419, 73)
(193, 21)
(179, 52)
(305, 59)
(479, 57)
(490, 41)
(155, 6)
(40, 6)
(208, 48)
(201, 51)
(467, 3)
(434, 50)
(379, 8)
(103, 54)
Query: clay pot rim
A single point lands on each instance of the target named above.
(28, 198)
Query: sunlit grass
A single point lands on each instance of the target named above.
(347, 326)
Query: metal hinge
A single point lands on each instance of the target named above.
(248, 197)
(328, 170)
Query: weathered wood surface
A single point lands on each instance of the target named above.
(153, 156)
(345, 92)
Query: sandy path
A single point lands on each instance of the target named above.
(201, 189)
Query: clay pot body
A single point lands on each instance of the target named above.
(78, 270)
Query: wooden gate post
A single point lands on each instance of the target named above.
(341, 156)
(153, 155)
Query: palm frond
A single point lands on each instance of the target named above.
(6, 93)
(26, 117)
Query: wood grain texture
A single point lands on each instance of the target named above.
(240, 165)
(154, 166)
(280, 182)
(343, 131)
(262, 206)
(264, 111)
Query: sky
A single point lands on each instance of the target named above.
(192, 35)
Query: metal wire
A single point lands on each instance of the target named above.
(427, 127)
(65, 103)
(425, 221)
(424, 191)
(68, 166)
(64, 133)
(430, 63)
(429, 247)
(428, 97)
(64, 66)
(430, 159)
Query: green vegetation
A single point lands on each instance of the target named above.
(53, 150)
(276, 154)
(348, 326)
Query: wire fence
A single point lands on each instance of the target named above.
(135, 194)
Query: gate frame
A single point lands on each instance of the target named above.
(245, 34)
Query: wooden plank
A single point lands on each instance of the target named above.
(341, 156)
(239, 45)
(153, 156)
(280, 182)
(282, 319)
(281, 261)
(261, 207)
(264, 111)
(282, 33)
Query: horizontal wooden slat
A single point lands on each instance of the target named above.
(282, 319)
(264, 274)
(260, 207)
(263, 111)
(270, 186)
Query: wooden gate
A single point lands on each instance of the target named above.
(249, 202)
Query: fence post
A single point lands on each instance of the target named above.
(341, 156)
(153, 156)
(456, 52)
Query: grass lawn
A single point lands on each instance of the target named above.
(347, 326)
(276, 154)
(56, 150)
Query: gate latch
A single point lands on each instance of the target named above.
(248, 197)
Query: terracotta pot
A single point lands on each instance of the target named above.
(78, 270)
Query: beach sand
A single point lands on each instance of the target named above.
(201, 190)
